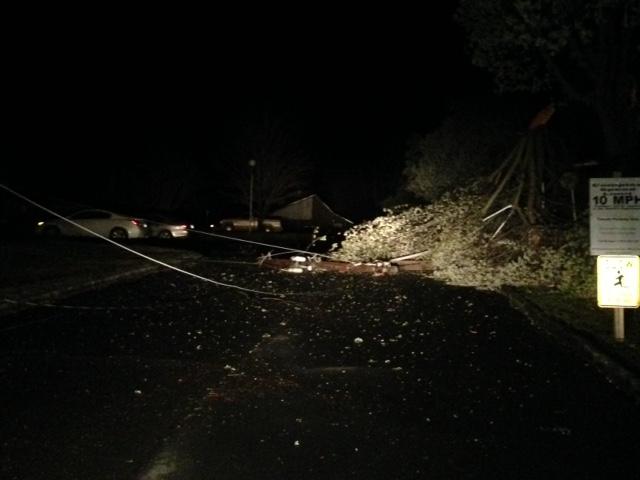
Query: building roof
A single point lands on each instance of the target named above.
(312, 209)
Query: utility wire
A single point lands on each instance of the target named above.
(286, 249)
(135, 252)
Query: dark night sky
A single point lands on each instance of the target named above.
(87, 99)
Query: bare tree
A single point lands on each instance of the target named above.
(170, 182)
(266, 165)
(163, 180)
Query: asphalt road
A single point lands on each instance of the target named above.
(168, 377)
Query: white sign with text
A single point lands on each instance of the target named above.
(614, 216)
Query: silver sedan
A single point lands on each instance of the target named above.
(165, 228)
(102, 222)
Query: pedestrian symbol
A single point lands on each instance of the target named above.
(618, 281)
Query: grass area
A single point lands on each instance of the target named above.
(586, 318)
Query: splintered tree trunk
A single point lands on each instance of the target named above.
(535, 161)
(512, 162)
(532, 193)
(522, 171)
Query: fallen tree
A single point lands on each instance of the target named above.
(464, 250)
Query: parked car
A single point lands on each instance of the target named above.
(271, 224)
(239, 224)
(165, 227)
(103, 222)
(254, 224)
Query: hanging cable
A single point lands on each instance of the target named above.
(286, 249)
(135, 252)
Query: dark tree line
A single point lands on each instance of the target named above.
(583, 52)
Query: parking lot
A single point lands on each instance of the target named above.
(162, 375)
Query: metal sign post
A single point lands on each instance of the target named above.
(618, 324)
(618, 287)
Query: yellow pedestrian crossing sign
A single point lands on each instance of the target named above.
(618, 281)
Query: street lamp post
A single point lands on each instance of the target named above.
(252, 164)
